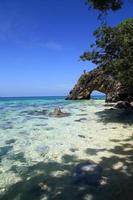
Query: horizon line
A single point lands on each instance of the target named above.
(44, 96)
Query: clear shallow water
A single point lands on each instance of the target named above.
(34, 146)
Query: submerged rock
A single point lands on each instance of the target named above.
(88, 173)
(58, 113)
(44, 187)
(82, 136)
(81, 119)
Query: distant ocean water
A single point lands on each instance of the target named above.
(48, 101)
(98, 97)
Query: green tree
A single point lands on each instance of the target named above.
(105, 5)
(113, 50)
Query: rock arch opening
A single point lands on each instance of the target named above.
(99, 80)
(95, 94)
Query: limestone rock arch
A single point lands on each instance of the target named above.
(101, 81)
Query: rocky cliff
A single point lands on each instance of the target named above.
(101, 81)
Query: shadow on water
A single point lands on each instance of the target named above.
(124, 116)
(92, 151)
(4, 150)
(54, 180)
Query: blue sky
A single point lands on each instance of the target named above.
(41, 41)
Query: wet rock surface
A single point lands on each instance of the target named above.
(123, 104)
(58, 113)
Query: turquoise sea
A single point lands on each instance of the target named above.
(36, 148)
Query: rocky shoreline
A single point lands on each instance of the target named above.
(102, 81)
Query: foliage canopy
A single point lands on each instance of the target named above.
(104, 5)
(113, 50)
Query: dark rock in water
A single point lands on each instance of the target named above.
(43, 186)
(41, 190)
(88, 173)
(10, 141)
(73, 149)
(124, 126)
(81, 119)
(82, 136)
(114, 127)
(123, 104)
(58, 113)
(77, 120)
(111, 109)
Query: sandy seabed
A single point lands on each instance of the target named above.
(36, 148)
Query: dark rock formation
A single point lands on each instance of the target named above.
(101, 81)
(123, 104)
